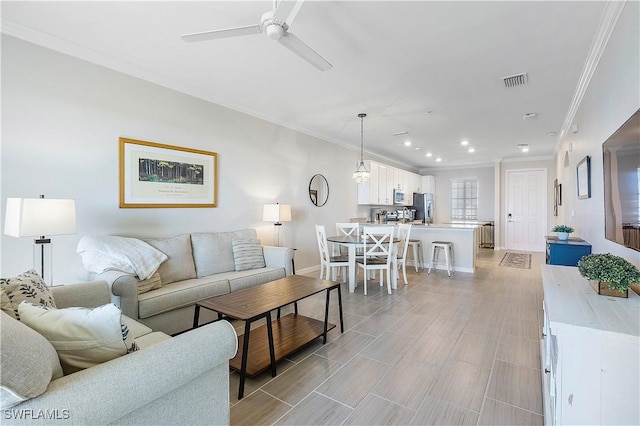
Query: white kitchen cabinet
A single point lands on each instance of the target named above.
(379, 188)
(383, 181)
(590, 352)
(429, 184)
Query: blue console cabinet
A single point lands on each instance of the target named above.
(566, 252)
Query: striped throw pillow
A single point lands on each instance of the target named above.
(247, 254)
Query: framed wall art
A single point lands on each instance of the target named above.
(583, 172)
(555, 197)
(154, 175)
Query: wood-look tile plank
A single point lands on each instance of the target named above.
(475, 349)
(447, 326)
(316, 409)
(387, 348)
(407, 383)
(345, 347)
(258, 408)
(518, 350)
(434, 411)
(498, 413)
(354, 381)
(431, 349)
(462, 384)
(377, 411)
(300, 380)
(516, 385)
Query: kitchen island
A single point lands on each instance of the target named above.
(465, 239)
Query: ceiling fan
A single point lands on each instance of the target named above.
(274, 24)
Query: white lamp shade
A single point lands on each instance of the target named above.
(276, 213)
(33, 217)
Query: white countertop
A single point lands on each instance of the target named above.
(447, 226)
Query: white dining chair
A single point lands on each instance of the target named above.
(404, 233)
(329, 263)
(348, 229)
(379, 253)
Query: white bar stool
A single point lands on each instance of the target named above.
(418, 259)
(447, 247)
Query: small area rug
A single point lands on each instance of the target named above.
(516, 260)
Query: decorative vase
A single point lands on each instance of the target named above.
(563, 236)
(602, 288)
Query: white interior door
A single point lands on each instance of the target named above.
(526, 209)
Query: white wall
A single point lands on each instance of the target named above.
(61, 120)
(486, 194)
(612, 96)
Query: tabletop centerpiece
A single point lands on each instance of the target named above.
(608, 274)
(562, 231)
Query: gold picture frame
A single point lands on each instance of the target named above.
(154, 175)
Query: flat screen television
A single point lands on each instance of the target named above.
(621, 157)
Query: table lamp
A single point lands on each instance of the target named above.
(40, 217)
(277, 213)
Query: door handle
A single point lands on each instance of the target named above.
(510, 217)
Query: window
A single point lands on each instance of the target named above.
(464, 199)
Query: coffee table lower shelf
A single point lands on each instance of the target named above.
(290, 333)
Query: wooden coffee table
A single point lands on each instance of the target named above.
(263, 346)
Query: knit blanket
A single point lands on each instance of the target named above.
(106, 253)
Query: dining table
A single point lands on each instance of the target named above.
(352, 243)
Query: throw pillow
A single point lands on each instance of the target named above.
(28, 362)
(247, 254)
(28, 286)
(83, 337)
(151, 283)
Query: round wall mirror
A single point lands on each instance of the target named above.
(319, 190)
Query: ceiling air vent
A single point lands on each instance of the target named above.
(515, 80)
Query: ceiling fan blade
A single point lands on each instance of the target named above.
(287, 10)
(215, 34)
(298, 47)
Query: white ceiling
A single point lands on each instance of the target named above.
(432, 69)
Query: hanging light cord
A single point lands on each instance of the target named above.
(362, 116)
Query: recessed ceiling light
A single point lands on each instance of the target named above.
(417, 148)
(472, 150)
(438, 159)
(525, 149)
(464, 143)
(429, 154)
(407, 143)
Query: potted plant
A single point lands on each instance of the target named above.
(563, 231)
(610, 275)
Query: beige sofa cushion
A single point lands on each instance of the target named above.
(213, 251)
(179, 294)
(27, 286)
(179, 265)
(28, 362)
(252, 277)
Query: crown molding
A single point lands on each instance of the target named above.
(608, 22)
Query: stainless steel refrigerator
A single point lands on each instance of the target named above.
(423, 204)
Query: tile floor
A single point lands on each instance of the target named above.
(457, 351)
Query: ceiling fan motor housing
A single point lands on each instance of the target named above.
(273, 27)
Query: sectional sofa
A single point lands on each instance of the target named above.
(197, 266)
(179, 380)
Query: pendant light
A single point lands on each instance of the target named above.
(361, 175)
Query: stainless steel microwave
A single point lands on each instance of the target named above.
(398, 196)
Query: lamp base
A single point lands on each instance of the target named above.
(43, 259)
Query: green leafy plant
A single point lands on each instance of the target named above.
(562, 228)
(608, 268)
